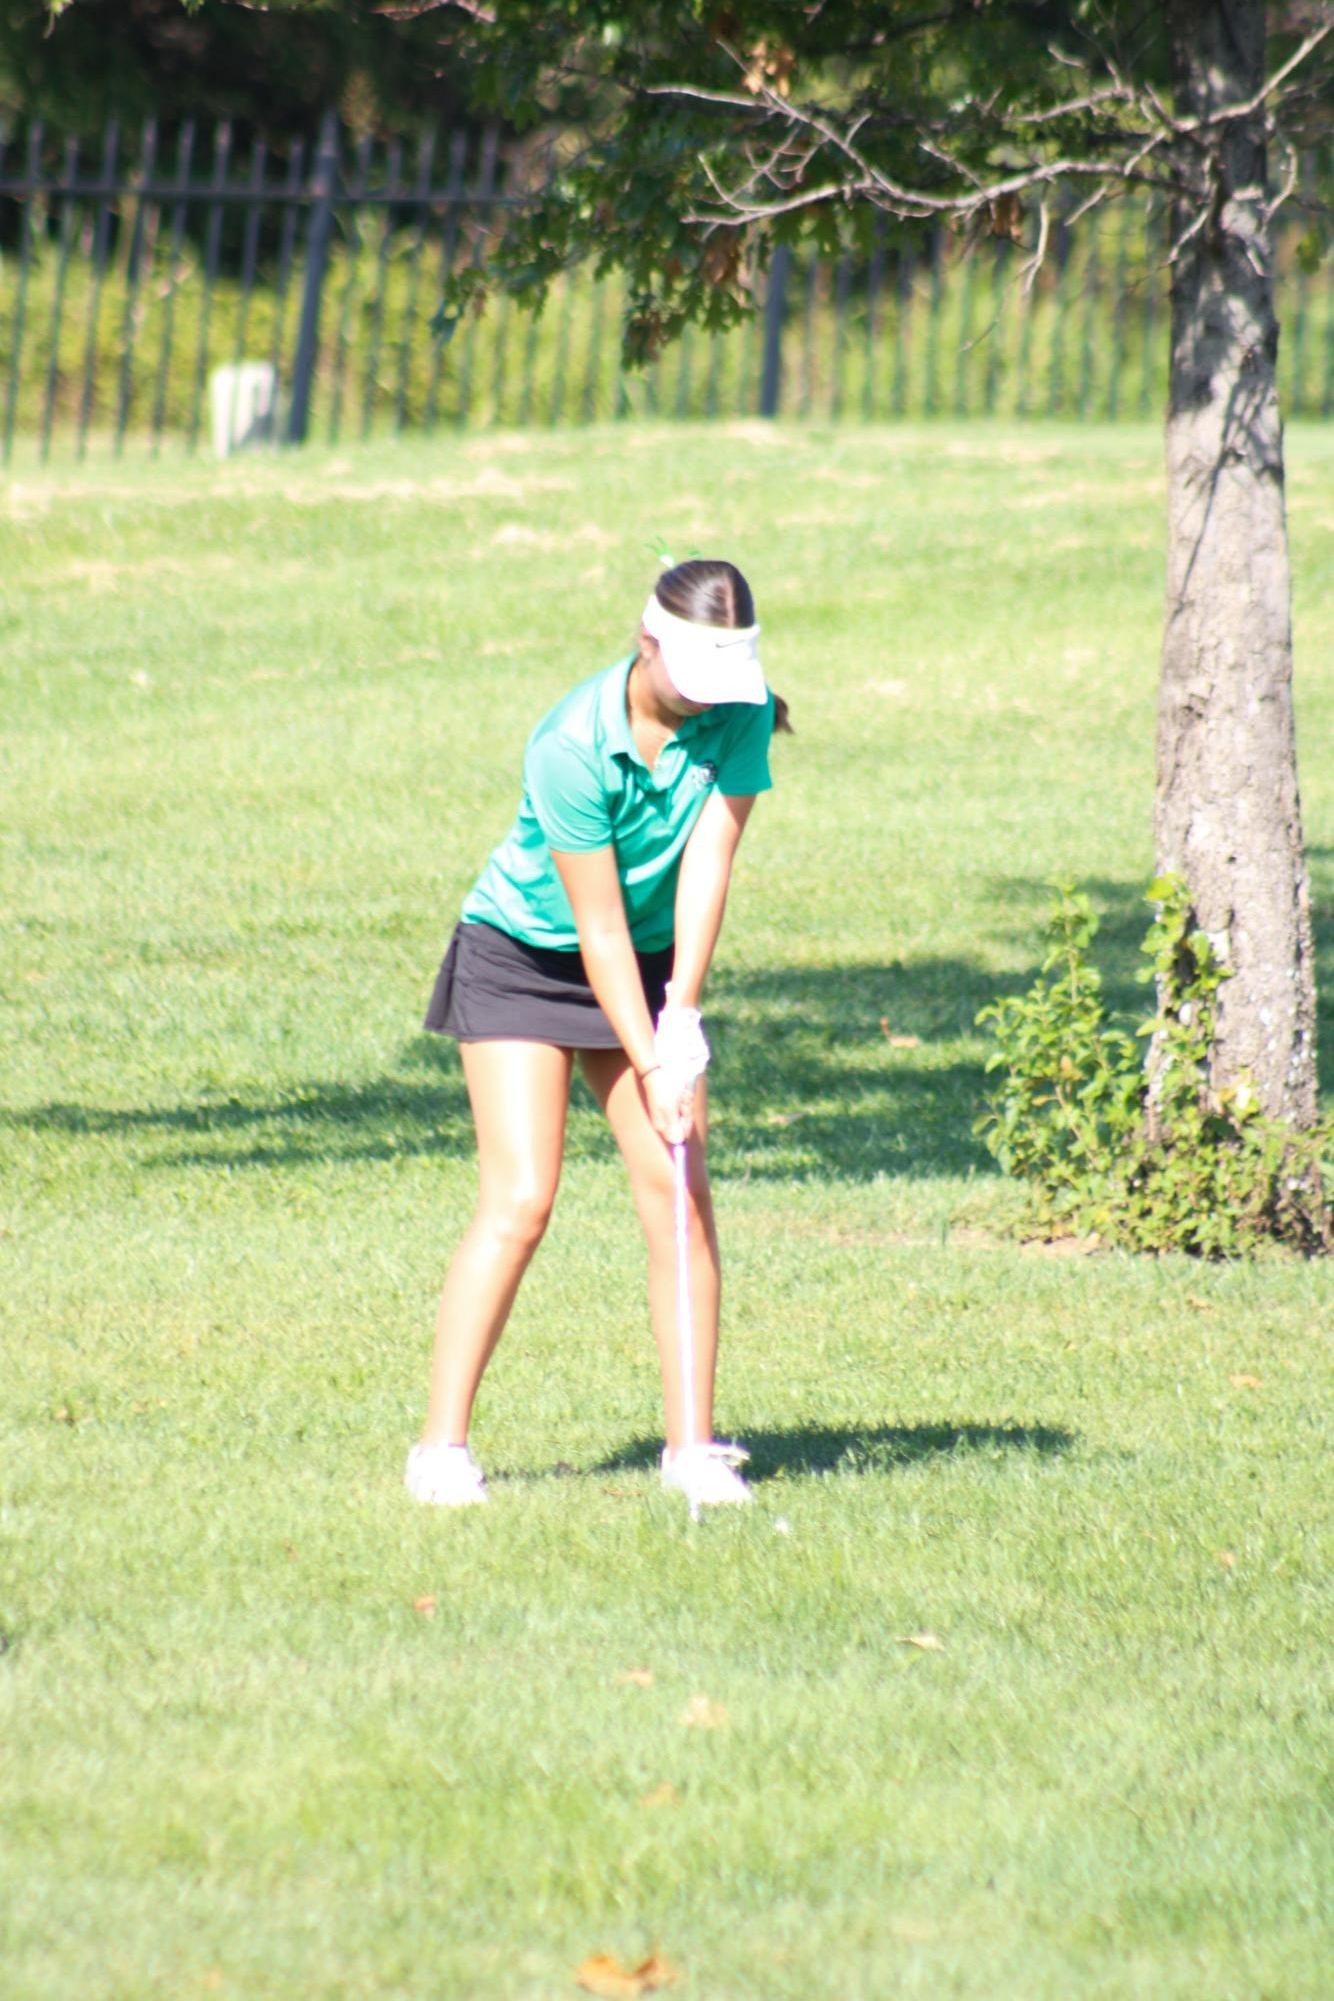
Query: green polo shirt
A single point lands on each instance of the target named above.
(585, 786)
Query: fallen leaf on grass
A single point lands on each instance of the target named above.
(637, 1677)
(929, 1643)
(663, 1795)
(1227, 1559)
(1245, 1382)
(703, 1713)
(1062, 1247)
(1200, 1305)
(606, 1976)
(425, 1605)
(603, 1975)
(898, 1041)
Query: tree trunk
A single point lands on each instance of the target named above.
(1228, 815)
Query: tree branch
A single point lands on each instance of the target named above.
(1118, 93)
(910, 204)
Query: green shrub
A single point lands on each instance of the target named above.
(1142, 1148)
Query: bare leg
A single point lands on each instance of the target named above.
(649, 1161)
(519, 1092)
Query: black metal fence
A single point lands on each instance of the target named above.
(127, 278)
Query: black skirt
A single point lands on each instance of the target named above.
(494, 988)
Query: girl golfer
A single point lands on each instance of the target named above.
(589, 934)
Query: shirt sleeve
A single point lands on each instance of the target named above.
(743, 766)
(569, 800)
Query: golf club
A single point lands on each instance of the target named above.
(685, 1326)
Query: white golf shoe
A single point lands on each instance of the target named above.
(445, 1475)
(706, 1474)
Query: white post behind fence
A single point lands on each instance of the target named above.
(243, 403)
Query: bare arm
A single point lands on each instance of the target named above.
(594, 890)
(701, 891)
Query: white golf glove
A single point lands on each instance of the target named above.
(679, 1046)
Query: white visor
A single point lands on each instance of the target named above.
(707, 663)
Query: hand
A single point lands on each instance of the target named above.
(669, 1106)
(679, 1044)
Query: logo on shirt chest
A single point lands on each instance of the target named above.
(704, 775)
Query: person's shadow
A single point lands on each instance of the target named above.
(807, 1451)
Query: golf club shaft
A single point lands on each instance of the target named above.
(685, 1328)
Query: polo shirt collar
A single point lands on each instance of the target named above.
(616, 719)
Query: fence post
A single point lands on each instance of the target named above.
(101, 246)
(28, 231)
(771, 372)
(317, 259)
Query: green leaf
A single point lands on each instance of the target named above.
(1308, 253)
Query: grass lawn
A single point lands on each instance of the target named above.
(269, 1730)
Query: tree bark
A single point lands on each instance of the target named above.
(1228, 813)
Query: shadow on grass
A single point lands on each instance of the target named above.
(806, 1083)
(374, 1121)
(810, 1451)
